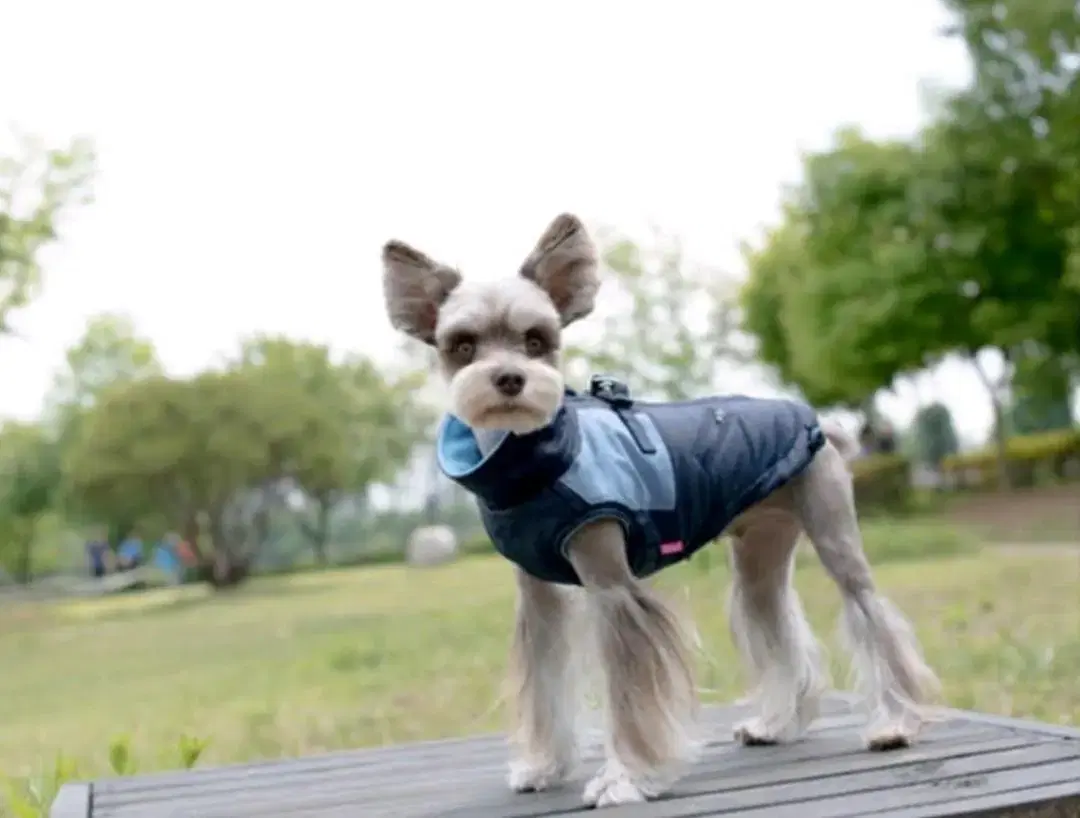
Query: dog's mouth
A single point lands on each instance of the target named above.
(511, 414)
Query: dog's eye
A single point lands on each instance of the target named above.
(463, 348)
(535, 343)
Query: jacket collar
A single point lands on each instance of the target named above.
(517, 469)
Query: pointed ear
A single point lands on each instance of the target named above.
(564, 264)
(415, 287)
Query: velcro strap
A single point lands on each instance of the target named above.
(616, 394)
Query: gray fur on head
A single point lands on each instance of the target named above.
(498, 342)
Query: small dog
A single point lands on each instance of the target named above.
(600, 491)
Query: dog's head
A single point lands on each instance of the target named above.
(498, 342)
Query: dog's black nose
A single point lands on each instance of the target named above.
(509, 382)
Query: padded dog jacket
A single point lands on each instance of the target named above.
(674, 475)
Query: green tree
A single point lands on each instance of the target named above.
(896, 255)
(109, 352)
(1015, 137)
(934, 434)
(1042, 394)
(839, 296)
(352, 426)
(37, 185)
(29, 477)
(775, 268)
(212, 456)
(183, 454)
(670, 327)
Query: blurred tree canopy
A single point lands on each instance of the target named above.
(675, 326)
(109, 352)
(935, 435)
(29, 478)
(212, 455)
(36, 186)
(892, 255)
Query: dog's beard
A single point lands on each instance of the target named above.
(474, 399)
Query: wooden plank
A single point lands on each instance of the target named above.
(479, 790)
(717, 721)
(970, 762)
(1042, 728)
(828, 799)
(733, 767)
(73, 801)
(1056, 801)
(370, 770)
(843, 796)
(450, 755)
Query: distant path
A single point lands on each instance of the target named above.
(1036, 548)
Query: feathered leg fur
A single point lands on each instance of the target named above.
(544, 690)
(770, 629)
(887, 660)
(645, 653)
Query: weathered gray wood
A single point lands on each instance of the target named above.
(425, 784)
(1044, 728)
(842, 796)
(73, 801)
(377, 772)
(969, 765)
(1059, 801)
(468, 752)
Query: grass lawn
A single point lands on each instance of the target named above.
(314, 662)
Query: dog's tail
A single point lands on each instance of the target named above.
(839, 437)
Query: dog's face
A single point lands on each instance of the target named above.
(498, 342)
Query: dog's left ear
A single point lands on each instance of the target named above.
(415, 287)
(564, 265)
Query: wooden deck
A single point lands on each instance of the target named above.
(971, 765)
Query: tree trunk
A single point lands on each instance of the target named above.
(1001, 444)
(191, 532)
(1001, 431)
(223, 567)
(26, 557)
(319, 534)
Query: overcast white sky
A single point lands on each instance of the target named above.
(254, 156)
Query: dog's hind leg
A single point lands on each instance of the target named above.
(887, 661)
(645, 653)
(769, 627)
(543, 686)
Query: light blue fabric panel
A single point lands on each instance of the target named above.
(611, 468)
(458, 452)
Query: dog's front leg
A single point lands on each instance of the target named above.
(645, 654)
(543, 687)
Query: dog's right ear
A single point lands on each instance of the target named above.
(415, 287)
(564, 265)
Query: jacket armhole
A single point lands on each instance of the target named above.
(617, 515)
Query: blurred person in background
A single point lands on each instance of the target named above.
(130, 553)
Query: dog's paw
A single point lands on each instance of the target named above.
(526, 776)
(889, 737)
(612, 786)
(755, 733)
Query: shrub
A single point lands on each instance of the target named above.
(882, 484)
(32, 797)
(476, 544)
(1032, 459)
